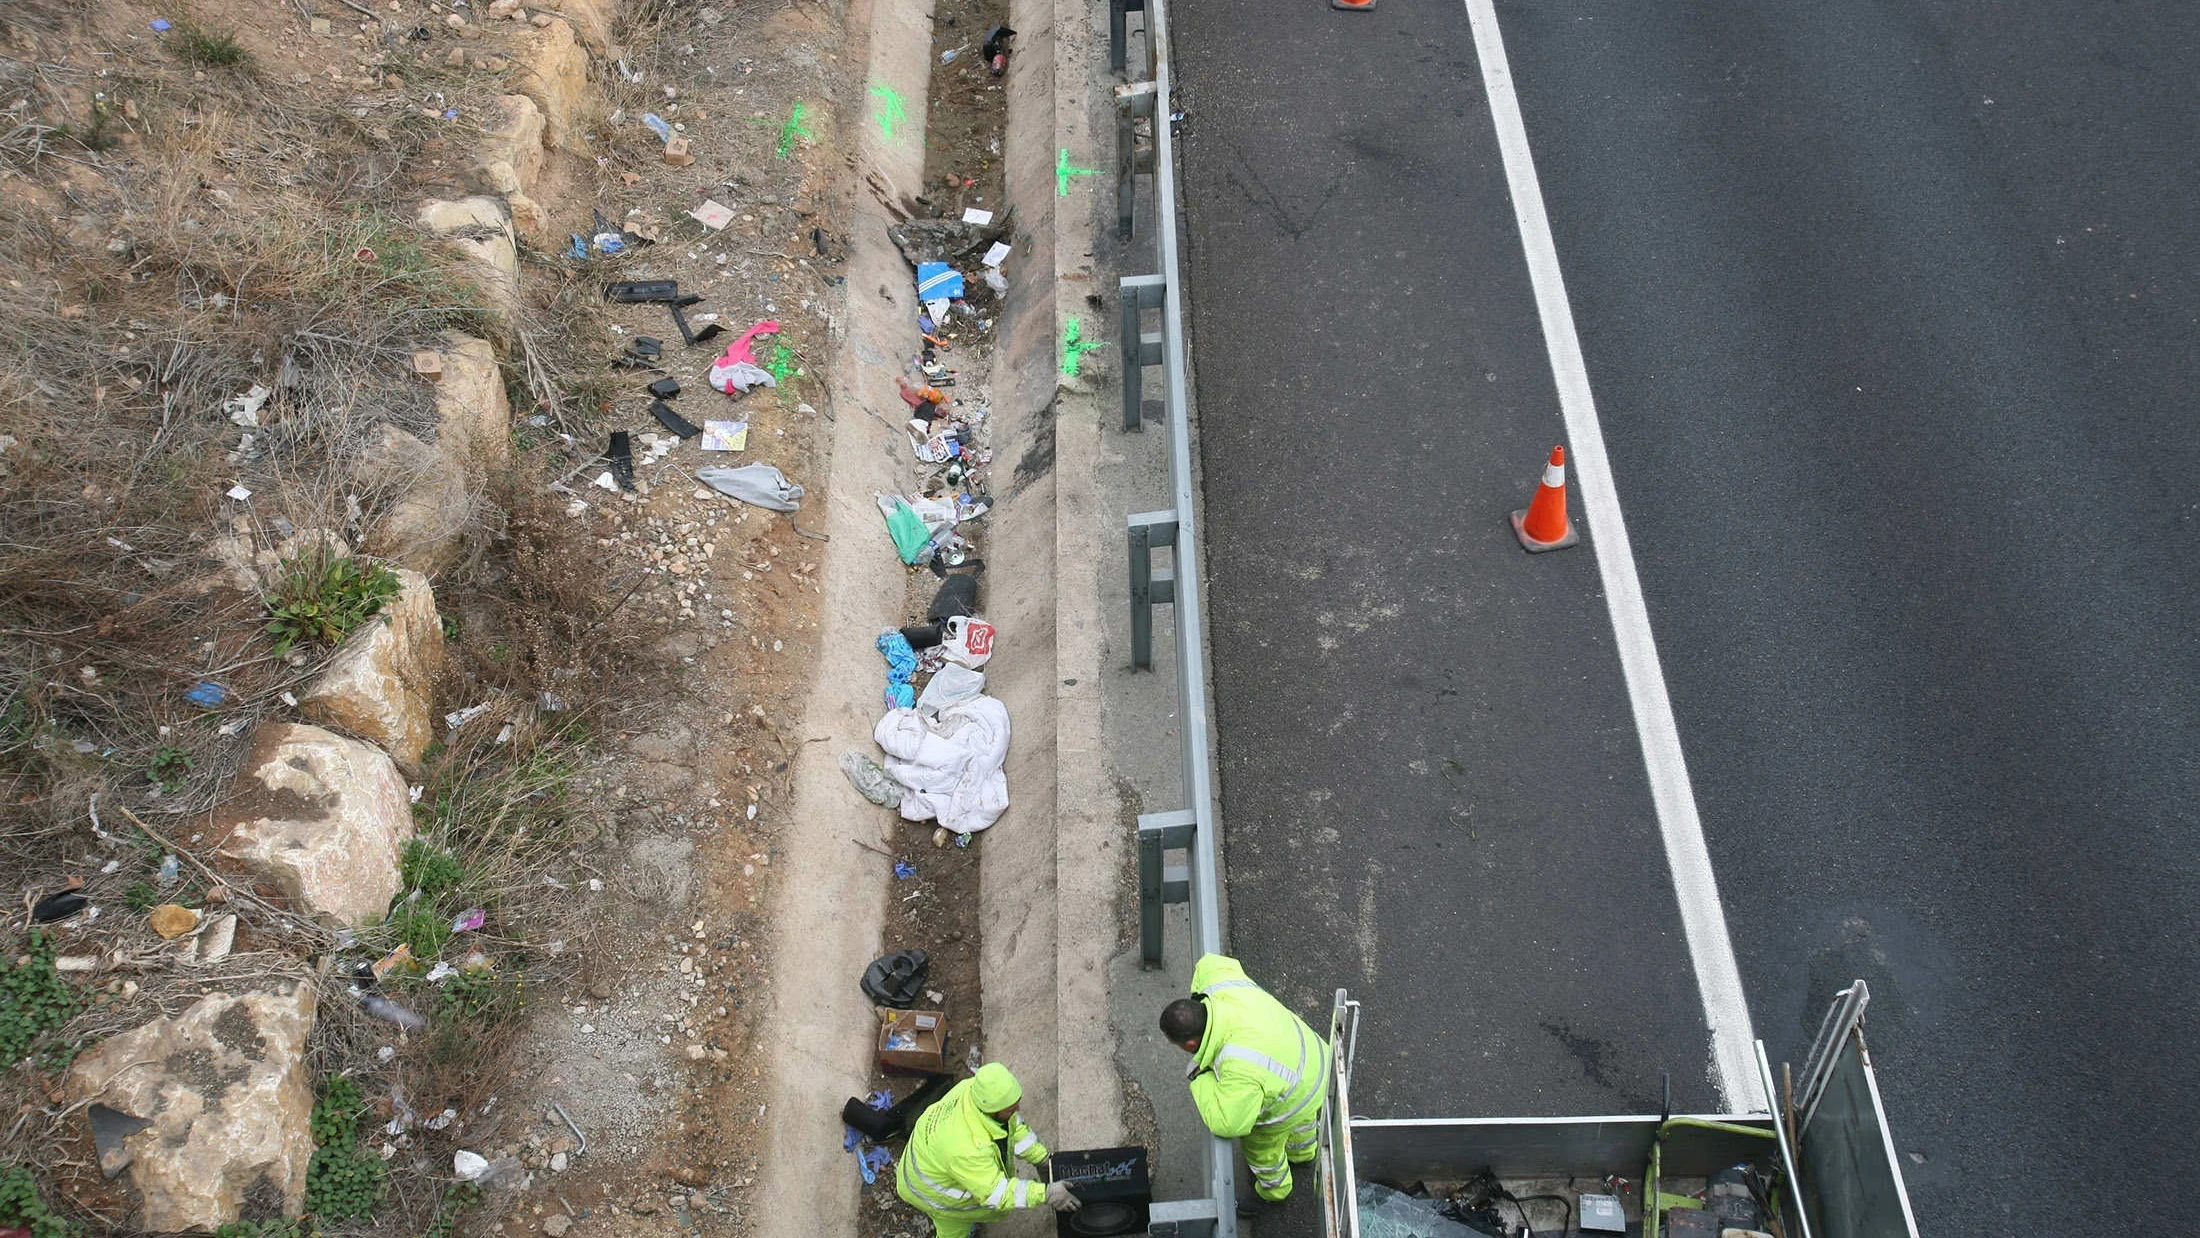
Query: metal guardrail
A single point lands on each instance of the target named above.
(1192, 829)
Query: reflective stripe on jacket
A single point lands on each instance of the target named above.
(1258, 1066)
(957, 1159)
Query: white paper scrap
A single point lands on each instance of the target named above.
(239, 493)
(972, 215)
(725, 435)
(996, 255)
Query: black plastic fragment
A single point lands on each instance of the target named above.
(673, 421)
(622, 459)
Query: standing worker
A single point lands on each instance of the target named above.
(1258, 1072)
(957, 1167)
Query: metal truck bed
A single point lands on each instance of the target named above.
(1829, 1160)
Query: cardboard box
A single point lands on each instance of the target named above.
(912, 1042)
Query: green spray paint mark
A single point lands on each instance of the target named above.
(1063, 171)
(1075, 346)
(793, 129)
(781, 364)
(890, 112)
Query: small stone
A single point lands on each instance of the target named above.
(691, 1176)
(172, 921)
(677, 154)
(556, 1224)
(454, 21)
(457, 57)
(321, 27)
(697, 1053)
(542, 20)
(495, 64)
(558, 1162)
(600, 990)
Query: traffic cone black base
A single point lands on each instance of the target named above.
(1532, 546)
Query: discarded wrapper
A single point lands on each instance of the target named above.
(938, 281)
(712, 215)
(725, 435)
(997, 254)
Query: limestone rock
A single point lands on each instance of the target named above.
(591, 21)
(481, 231)
(474, 419)
(319, 817)
(510, 155)
(554, 73)
(379, 685)
(531, 220)
(250, 567)
(431, 504)
(225, 1086)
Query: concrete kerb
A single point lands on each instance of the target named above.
(830, 911)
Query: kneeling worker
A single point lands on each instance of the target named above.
(1258, 1073)
(956, 1168)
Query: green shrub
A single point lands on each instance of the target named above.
(22, 1206)
(478, 994)
(429, 869)
(322, 600)
(336, 1115)
(169, 767)
(455, 1202)
(34, 1000)
(344, 1182)
(212, 49)
(421, 926)
(300, 1228)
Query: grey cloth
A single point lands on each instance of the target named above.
(760, 485)
(870, 781)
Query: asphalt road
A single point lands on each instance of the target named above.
(1889, 311)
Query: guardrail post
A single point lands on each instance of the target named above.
(1141, 348)
(1160, 884)
(1150, 586)
(1132, 101)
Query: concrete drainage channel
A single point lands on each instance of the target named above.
(1067, 1002)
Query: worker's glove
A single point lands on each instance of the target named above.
(1060, 1198)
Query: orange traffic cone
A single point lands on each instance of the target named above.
(1353, 6)
(1544, 525)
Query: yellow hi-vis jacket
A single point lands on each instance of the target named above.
(957, 1160)
(1258, 1065)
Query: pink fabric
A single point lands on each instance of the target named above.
(739, 349)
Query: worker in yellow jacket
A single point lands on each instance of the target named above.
(957, 1168)
(1258, 1072)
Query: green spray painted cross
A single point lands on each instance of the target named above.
(794, 128)
(890, 111)
(1063, 171)
(1075, 346)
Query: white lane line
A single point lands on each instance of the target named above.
(1718, 979)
